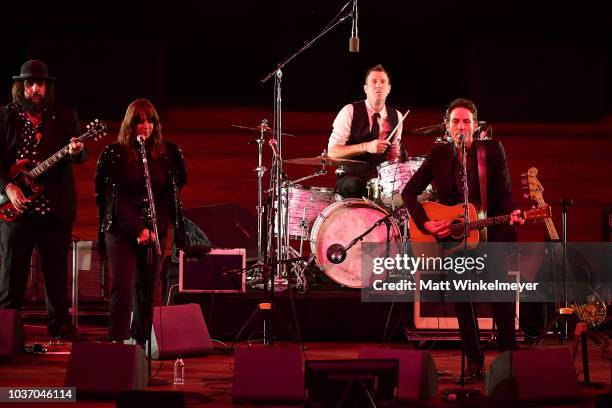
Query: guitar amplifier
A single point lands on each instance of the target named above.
(212, 271)
(432, 312)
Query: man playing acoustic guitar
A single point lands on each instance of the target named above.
(443, 169)
(33, 128)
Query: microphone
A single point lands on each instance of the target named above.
(461, 138)
(336, 253)
(354, 41)
(141, 139)
(274, 145)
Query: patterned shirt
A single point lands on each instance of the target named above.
(27, 149)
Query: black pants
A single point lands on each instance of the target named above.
(503, 314)
(17, 241)
(132, 286)
(352, 186)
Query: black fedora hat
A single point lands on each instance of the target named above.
(33, 69)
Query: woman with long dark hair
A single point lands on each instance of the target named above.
(126, 228)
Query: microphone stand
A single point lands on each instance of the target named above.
(150, 262)
(336, 253)
(462, 392)
(566, 310)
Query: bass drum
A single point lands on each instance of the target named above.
(342, 222)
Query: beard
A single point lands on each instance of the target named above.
(32, 106)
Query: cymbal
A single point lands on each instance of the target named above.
(425, 130)
(265, 128)
(319, 160)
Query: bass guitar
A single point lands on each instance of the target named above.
(587, 305)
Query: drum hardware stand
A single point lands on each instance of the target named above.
(388, 255)
(260, 170)
(320, 172)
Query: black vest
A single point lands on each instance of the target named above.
(360, 133)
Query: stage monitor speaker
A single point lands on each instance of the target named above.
(11, 334)
(216, 271)
(533, 375)
(352, 383)
(268, 375)
(103, 370)
(226, 226)
(418, 376)
(179, 330)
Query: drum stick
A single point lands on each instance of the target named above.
(397, 126)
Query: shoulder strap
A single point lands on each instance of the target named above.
(482, 175)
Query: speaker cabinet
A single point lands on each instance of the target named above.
(533, 375)
(104, 370)
(216, 271)
(179, 330)
(418, 378)
(268, 375)
(432, 311)
(11, 334)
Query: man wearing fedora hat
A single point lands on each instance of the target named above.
(33, 128)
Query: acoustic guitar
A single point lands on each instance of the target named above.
(476, 226)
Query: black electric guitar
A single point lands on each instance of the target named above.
(589, 307)
(25, 172)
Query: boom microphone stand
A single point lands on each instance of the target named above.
(278, 256)
(150, 259)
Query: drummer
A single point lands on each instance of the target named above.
(360, 132)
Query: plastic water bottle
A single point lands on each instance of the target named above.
(179, 372)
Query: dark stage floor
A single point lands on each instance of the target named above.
(209, 378)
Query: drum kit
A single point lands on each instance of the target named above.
(321, 217)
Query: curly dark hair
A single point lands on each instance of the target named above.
(461, 103)
(19, 97)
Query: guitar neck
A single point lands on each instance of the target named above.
(550, 227)
(45, 165)
(487, 222)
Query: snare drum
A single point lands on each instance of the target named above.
(393, 177)
(303, 205)
(342, 222)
